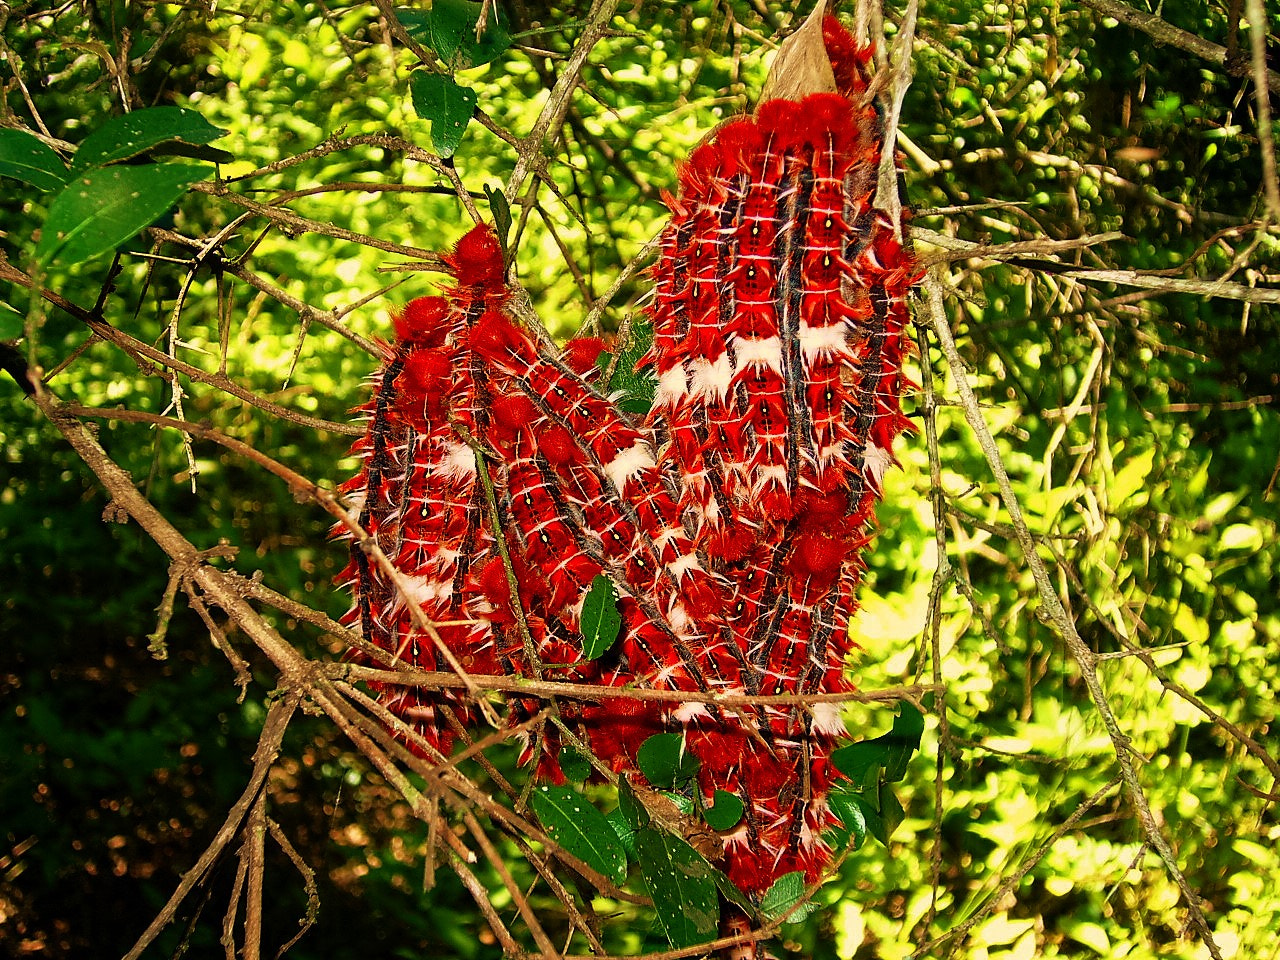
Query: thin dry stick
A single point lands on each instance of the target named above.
(273, 728)
(552, 115)
(1053, 613)
(141, 352)
(255, 854)
(308, 883)
(1258, 25)
(518, 898)
(942, 575)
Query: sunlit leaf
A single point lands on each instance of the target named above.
(890, 752)
(848, 806)
(446, 105)
(783, 895)
(571, 821)
(103, 208)
(448, 27)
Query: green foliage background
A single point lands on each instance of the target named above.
(1141, 429)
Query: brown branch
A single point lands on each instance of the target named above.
(1258, 26)
(141, 352)
(553, 111)
(1164, 32)
(273, 728)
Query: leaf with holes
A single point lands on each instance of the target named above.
(600, 619)
(445, 105)
(103, 208)
(26, 157)
(682, 885)
(571, 821)
(122, 138)
(448, 27)
(664, 761)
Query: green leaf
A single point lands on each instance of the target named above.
(103, 208)
(574, 765)
(890, 752)
(445, 105)
(600, 618)
(725, 811)
(637, 387)
(891, 814)
(12, 322)
(500, 207)
(626, 832)
(682, 886)
(784, 894)
(847, 805)
(449, 29)
(571, 821)
(663, 761)
(135, 133)
(629, 806)
(26, 157)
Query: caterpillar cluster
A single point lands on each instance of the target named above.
(730, 522)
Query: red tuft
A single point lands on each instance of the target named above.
(702, 165)
(558, 446)
(823, 510)
(511, 412)
(426, 373)
(739, 141)
(580, 354)
(496, 338)
(780, 122)
(477, 259)
(817, 557)
(828, 119)
(849, 59)
(422, 323)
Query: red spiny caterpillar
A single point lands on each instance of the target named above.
(778, 335)
(730, 522)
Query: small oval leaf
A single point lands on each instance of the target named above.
(134, 133)
(664, 762)
(447, 106)
(26, 157)
(725, 812)
(571, 821)
(600, 621)
(103, 208)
